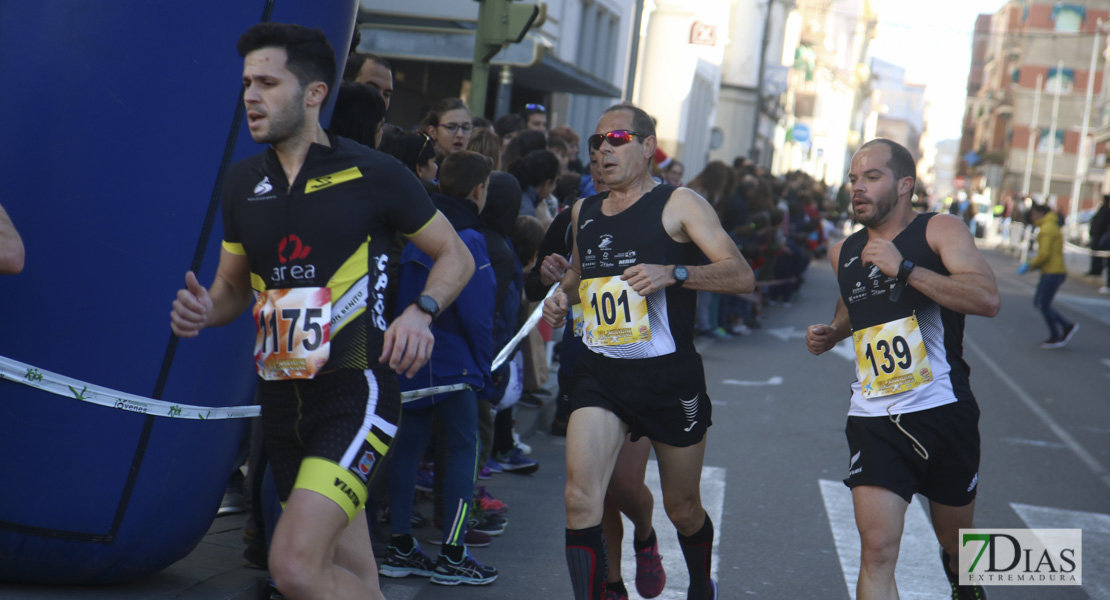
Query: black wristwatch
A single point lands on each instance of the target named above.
(428, 305)
(904, 271)
(680, 273)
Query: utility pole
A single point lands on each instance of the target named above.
(1051, 146)
(1032, 137)
(755, 152)
(1081, 162)
(500, 23)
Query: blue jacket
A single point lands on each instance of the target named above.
(463, 331)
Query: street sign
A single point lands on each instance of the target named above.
(801, 133)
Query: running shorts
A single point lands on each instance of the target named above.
(662, 398)
(882, 455)
(330, 433)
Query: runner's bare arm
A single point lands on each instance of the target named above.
(408, 340)
(971, 288)
(229, 295)
(689, 217)
(821, 338)
(11, 246)
(557, 305)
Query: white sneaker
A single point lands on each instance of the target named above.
(740, 329)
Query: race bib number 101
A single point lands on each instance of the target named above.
(613, 314)
(294, 332)
(891, 358)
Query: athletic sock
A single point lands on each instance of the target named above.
(637, 545)
(453, 552)
(588, 562)
(698, 551)
(404, 543)
(617, 586)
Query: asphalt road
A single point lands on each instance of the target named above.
(777, 453)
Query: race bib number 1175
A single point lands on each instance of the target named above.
(294, 332)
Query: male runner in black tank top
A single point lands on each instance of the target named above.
(906, 282)
(328, 410)
(632, 270)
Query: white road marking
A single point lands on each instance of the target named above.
(785, 333)
(775, 380)
(845, 349)
(1086, 457)
(1038, 443)
(678, 580)
(1096, 541)
(919, 573)
(1106, 361)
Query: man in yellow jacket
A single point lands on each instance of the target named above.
(1050, 261)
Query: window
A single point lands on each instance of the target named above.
(1068, 17)
(1057, 148)
(1065, 78)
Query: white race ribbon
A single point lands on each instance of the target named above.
(48, 381)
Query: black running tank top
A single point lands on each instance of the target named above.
(866, 292)
(609, 244)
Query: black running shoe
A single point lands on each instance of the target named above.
(402, 564)
(467, 571)
(961, 592)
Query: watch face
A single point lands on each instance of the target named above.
(680, 273)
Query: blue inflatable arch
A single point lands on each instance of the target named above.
(117, 123)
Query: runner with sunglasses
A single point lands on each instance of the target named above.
(637, 261)
(535, 117)
(906, 282)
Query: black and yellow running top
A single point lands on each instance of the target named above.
(331, 228)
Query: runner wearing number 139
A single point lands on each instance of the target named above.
(906, 282)
(635, 268)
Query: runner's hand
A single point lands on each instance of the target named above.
(882, 254)
(645, 279)
(820, 339)
(555, 308)
(191, 308)
(408, 342)
(553, 268)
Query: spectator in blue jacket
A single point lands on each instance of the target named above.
(462, 353)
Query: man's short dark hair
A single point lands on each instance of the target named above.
(309, 56)
(901, 162)
(508, 123)
(359, 109)
(461, 171)
(642, 123)
(357, 59)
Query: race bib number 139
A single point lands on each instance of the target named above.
(294, 332)
(891, 358)
(613, 313)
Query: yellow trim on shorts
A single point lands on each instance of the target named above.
(333, 481)
(234, 248)
(378, 445)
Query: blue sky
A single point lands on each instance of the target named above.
(933, 42)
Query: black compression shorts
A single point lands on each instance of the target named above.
(330, 433)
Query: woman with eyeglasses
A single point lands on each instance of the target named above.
(448, 125)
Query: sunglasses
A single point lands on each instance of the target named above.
(538, 107)
(618, 137)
